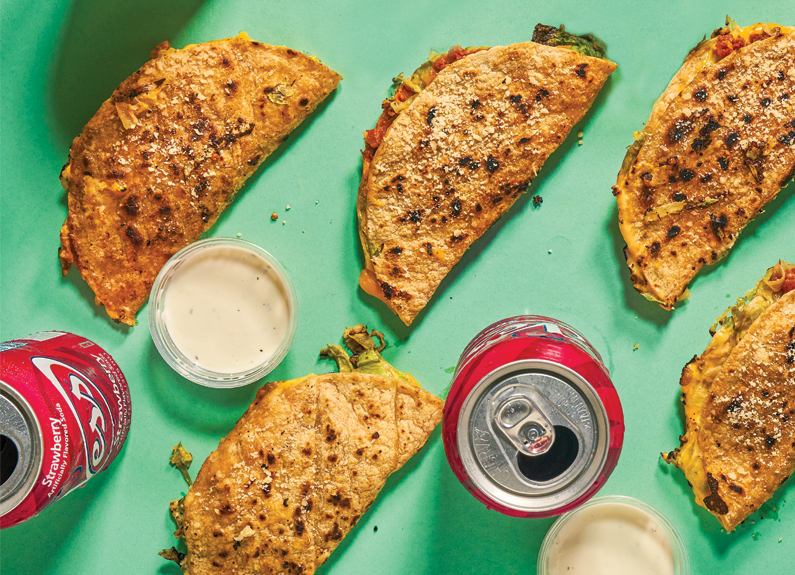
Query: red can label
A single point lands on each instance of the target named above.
(81, 401)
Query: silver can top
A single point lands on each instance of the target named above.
(533, 435)
(20, 449)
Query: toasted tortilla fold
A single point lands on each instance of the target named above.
(163, 157)
(299, 469)
(739, 395)
(718, 147)
(459, 156)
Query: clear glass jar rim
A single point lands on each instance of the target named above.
(171, 353)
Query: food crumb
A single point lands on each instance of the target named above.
(239, 235)
(580, 134)
(537, 201)
(284, 222)
(287, 207)
(274, 216)
(779, 539)
(579, 143)
(303, 231)
(635, 347)
(317, 201)
(375, 529)
(549, 251)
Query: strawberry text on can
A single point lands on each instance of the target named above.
(64, 416)
(532, 425)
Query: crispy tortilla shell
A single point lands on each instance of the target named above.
(299, 469)
(718, 147)
(738, 447)
(459, 156)
(163, 157)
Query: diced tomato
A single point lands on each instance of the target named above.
(789, 280)
(453, 55)
(374, 137)
(403, 93)
(723, 47)
(440, 63)
(727, 44)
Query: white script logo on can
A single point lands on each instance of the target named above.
(532, 424)
(64, 416)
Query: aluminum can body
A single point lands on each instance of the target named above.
(64, 416)
(532, 424)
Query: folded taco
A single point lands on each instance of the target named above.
(167, 152)
(718, 147)
(302, 465)
(457, 144)
(739, 396)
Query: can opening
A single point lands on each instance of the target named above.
(9, 458)
(553, 463)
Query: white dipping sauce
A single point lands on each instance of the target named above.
(226, 309)
(611, 539)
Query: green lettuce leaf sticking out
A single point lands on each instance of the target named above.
(181, 459)
(731, 23)
(587, 44)
(365, 356)
(744, 313)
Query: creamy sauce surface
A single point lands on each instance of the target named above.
(611, 539)
(226, 309)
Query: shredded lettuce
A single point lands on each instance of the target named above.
(587, 44)
(416, 82)
(731, 23)
(739, 317)
(660, 212)
(633, 150)
(365, 356)
(181, 459)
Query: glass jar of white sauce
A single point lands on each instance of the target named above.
(223, 312)
(613, 535)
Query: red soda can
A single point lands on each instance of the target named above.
(64, 416)
(532, 424)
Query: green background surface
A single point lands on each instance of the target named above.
(61, 59)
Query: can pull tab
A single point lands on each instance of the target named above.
(525, 425)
